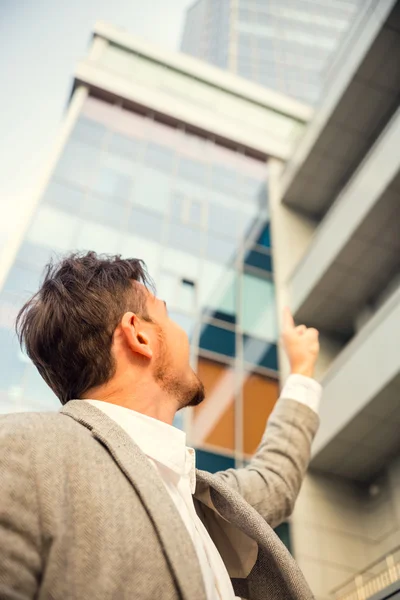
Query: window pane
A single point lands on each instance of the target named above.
(104, 210)
(222, 220)
(12, 362)
(181, 263)
(33, 255)
(259, 260)
(264, 239)
(65, 197)
(212, 462)
(152, 189)
(132, 246)
(88, 131)
(78, 163)
(214, 419)
(186, 299)
(22, 280)
(123, 145)
(53, 228)
(192, 170)
(185, 238)
(160, 157)
(258, 307)
(221, 250)
(146, 224)
(216, 339)
(113, 184)
(259, 398)
(259, 352)
(218, 293)
(98, 238)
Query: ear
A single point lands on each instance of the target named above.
(135, 336)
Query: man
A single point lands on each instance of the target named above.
(102, 500)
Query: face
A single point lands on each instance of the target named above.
(171, 358)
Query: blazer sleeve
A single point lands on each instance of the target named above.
(271, 482)
(20, 560)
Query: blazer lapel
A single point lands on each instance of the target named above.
(170, 528)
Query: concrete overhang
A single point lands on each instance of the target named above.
(360, 412)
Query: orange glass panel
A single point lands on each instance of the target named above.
(213, 420)
(259, 397)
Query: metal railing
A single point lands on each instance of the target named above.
(375, 578)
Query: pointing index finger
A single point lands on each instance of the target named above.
(288, 322)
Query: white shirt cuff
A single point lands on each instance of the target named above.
(304, 390)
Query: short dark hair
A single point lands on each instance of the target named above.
(67, 327)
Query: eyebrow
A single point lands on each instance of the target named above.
(165, 304)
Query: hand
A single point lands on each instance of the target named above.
(301, 345)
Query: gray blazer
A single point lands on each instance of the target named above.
(84, 516)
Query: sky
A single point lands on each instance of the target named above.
(40, 43)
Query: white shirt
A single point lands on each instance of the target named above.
(165, 447)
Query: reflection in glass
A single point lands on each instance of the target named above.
(258, 307)
(264, 239)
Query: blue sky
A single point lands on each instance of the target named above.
(40, 43)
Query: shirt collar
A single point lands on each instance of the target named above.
(161, 442)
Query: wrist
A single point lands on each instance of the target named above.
(305, 370)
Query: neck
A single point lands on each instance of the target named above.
(152, 402)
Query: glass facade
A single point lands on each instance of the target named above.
(284, 45)
(197, 213)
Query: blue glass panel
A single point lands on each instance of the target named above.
(216, 339)
(283, 533)
(212, 462)
(259, 352)
(221, 315)
(264, 239)
(259, 260)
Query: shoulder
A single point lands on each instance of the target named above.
(38, 430)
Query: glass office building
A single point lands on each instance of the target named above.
(129, 180)
(285, 45)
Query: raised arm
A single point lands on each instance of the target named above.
(272, 480)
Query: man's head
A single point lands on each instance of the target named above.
(95, 321)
